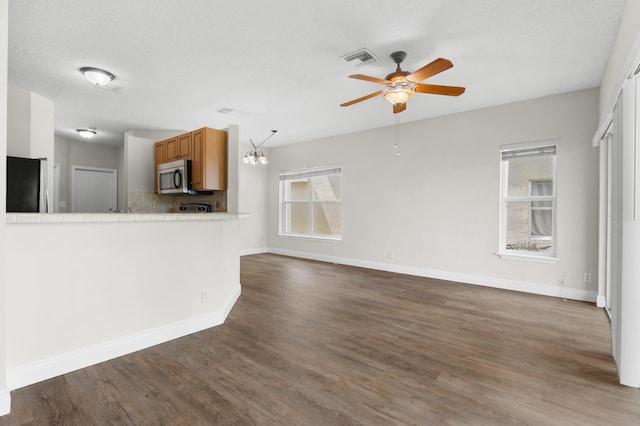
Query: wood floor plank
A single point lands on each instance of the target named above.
(311, 343)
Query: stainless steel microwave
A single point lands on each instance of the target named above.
(174, 177)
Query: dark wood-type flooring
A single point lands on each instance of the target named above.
(312, 343)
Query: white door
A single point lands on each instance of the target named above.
(93, 190)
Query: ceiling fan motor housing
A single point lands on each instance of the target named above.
(398, 56)
(398, 75)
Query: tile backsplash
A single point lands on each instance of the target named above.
(149, 202)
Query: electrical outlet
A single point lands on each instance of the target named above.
(392, 255)
(587, 277)
(205, 296)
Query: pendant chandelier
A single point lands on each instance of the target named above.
(255, 155)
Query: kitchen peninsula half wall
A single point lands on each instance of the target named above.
(85, 288)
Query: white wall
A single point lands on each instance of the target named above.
(69, 153)
(101, 289)
(5, 399)
(253, 198)
(139, 158)
(436, 206)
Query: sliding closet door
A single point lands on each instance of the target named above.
(614, 228)
(623, 235)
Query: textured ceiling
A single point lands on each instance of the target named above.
(277, 64)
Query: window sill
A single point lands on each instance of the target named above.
(312, 237)
(528, 257)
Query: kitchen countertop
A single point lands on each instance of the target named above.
(31, 218)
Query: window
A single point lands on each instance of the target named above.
(541, 212)
(310, 202)
(528, 189)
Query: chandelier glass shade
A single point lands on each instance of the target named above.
(254, 157)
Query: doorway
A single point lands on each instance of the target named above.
(93, 189)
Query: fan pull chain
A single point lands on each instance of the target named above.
(397, 145)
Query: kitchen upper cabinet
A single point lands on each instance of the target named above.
(209, 160)
(179, 148)
(207, 150)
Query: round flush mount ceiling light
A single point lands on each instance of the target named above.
(96, 76)
(87, 133)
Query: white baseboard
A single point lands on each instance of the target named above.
(523, 286)
(5, 402)
(27, 374)
(601, 301)
(248, 252)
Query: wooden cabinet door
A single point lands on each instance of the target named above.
(172, 149)
(209, 159)
(159, 157)
(184, 146)
(197, 147)
(215, 160)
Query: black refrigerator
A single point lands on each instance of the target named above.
(26, 185)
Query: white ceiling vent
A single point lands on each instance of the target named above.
(359, 58)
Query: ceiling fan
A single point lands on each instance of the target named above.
(402, 85)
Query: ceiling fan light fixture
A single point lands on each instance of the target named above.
(96, 76)
(398, 96)
(87, 133)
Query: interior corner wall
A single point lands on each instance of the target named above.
(30, 125)
(5, 397)
(253, 199)
(18, 123)
(434, 210)
(138, 158)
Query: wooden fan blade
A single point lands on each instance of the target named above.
(439, 90)
(367, 78)
(400, 108)
(430, 70)
(364, 98)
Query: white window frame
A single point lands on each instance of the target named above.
(532, 208)
(284, 213)
(505, 199)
